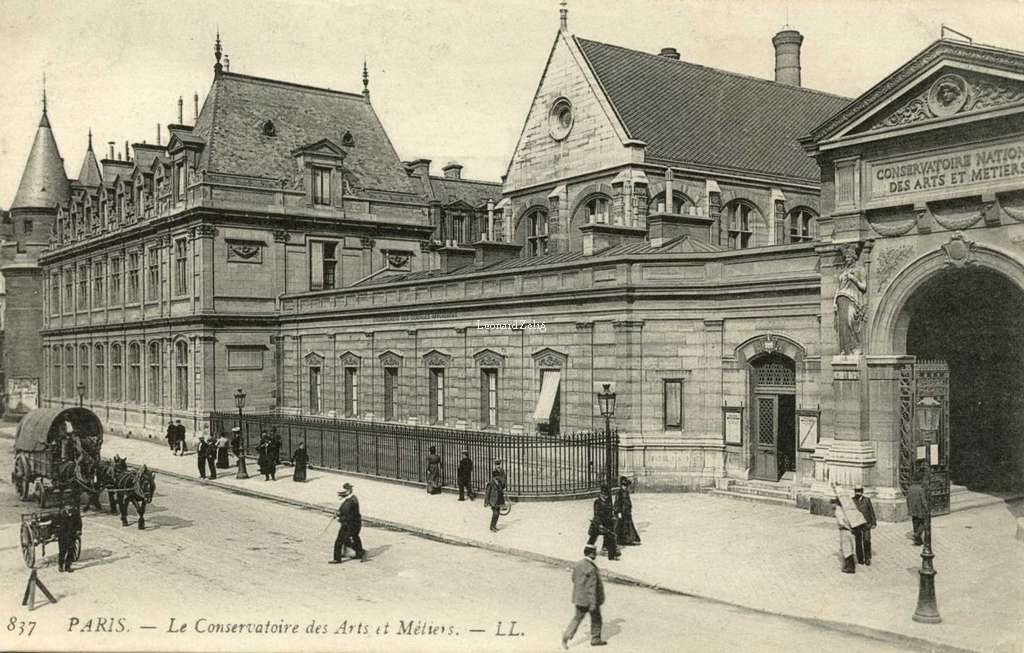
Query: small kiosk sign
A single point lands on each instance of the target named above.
(947, 171)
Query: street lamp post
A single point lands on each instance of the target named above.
(240, 402)
(606, 402)
(929, 412)
(81, 393)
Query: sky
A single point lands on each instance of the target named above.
(450, 79)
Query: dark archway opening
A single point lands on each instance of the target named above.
(973, 318)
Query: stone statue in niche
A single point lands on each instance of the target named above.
(850, 302)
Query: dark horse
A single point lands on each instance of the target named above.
(77, 477)
(107, 472)
(135, 486)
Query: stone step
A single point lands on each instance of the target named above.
(755, 498)
(967, 499)
(781, 493)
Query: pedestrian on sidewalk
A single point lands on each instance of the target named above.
(587, 598)
(211, 456)
(502, 473)
(69, 529)
(433, 472)
(847, 546)
(182, 447)
(275, 446)
(465, 477)
(351, 522)
(494, 498)
(603, 523)
(626, 534)
(862, 533)
(236, 441)
(172, 437)
(301, 460)
(265, 458)
(201, 457)
(222, 451)
(917, 503)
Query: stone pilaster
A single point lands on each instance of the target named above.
(629, 378)
(852, 454)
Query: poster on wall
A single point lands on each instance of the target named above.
(732, 419)
(807, 429)
(22, 394)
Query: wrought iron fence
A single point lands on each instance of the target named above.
(537, 465)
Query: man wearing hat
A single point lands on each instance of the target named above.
(69, 529)
(351, 523)
(465, 477)
(501, 473)
(846, 541)
(587, 597)
(180, 430)
(603, 522)
(862, 533)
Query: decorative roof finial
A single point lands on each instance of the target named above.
(216, 53)
(44, 93)
(90, 139)
(227, 63)
(563, 14)
(366, 81)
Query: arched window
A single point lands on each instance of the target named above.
(597, 210)
(534, 226)
(153, 395)
(740, 218)
(181, 374)
(69, 371)
(681, 204)
(134, 373)
(99, 382)
(55, 378)
(802, 225)
(116, 373)
(83, 370)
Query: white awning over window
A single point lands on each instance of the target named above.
(548, 392)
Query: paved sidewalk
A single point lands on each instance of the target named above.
(769, 558)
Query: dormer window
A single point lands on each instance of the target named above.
(268, 128)
(348, 140)
(321, 189)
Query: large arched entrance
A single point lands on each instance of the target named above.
(773, 415)
(973, 318)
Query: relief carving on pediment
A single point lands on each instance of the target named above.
(952, 94)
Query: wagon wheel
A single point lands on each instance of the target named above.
(28, 545)
(41, 493)
(505, 508)
(25, 488)
(76, 549)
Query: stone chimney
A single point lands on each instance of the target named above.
(669, 53)
(452, 170)
(787, 56)
(418, 167)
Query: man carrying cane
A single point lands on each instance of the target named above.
(351, 522)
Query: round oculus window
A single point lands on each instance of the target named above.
(560, 119)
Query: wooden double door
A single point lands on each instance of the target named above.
(773, 417)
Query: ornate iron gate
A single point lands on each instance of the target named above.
(915, 382)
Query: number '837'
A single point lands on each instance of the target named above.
(22, 627)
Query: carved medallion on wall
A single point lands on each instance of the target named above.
(947, 95)
(889, 261)
(245, 251)
(959, 251)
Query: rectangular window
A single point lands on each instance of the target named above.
(739, 226)
(547, 413)
(69, 372)
(98, 284)
(153, 274)
(115, 281)
(673, 404)
(180, 266)
(154, 395)
(55, 293)
(180, 179)
(28, 226)
(314, 389)
(437, 394)
(69, 289)
(55, 380)
(134, 262)
(351, 391)
(134, 373)
(83, 287)
(99, 383)
(390, 393)
(321, 186)
(489, 396)
(116, 373)
(181, 374)
(323, 265)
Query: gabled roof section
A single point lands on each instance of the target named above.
(474, 193)
(44, 183)
(238, 105)
(941, 52)
(90, 175)
(687, 113)
(323, 147)
(112, 168)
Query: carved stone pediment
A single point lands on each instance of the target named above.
(313, 359)
(436, 358)
(489, 358)
(948, 93)
(550, 358)
(390, 359)
(349, 359)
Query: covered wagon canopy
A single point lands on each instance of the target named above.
(46, 425)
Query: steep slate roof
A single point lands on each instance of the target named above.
(688, 113)
(237, 107)
(474, 193)
(44, 183)
(90, 175)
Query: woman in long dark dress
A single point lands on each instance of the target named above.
(433, 472)
(266, 459)
(627, 534)
(222, 451)
(301, 460)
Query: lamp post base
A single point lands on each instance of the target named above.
(927, 611)
(242, 471)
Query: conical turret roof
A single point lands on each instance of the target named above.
(90, 175)
(44, 184)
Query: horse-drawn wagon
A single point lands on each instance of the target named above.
(56, 450)
(40, 529)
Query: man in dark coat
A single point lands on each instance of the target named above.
(69, 529)
(182, 447)
(603, 523)
(202, 455)
(587, 597)
(862, 533)
(275, 446)
(917, 503)
(172, 438)
(494, 498)
(502, 473)
(465, 477)
(351, 522)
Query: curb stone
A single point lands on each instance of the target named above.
(610, 576)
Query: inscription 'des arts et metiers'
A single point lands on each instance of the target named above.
(948, 170)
